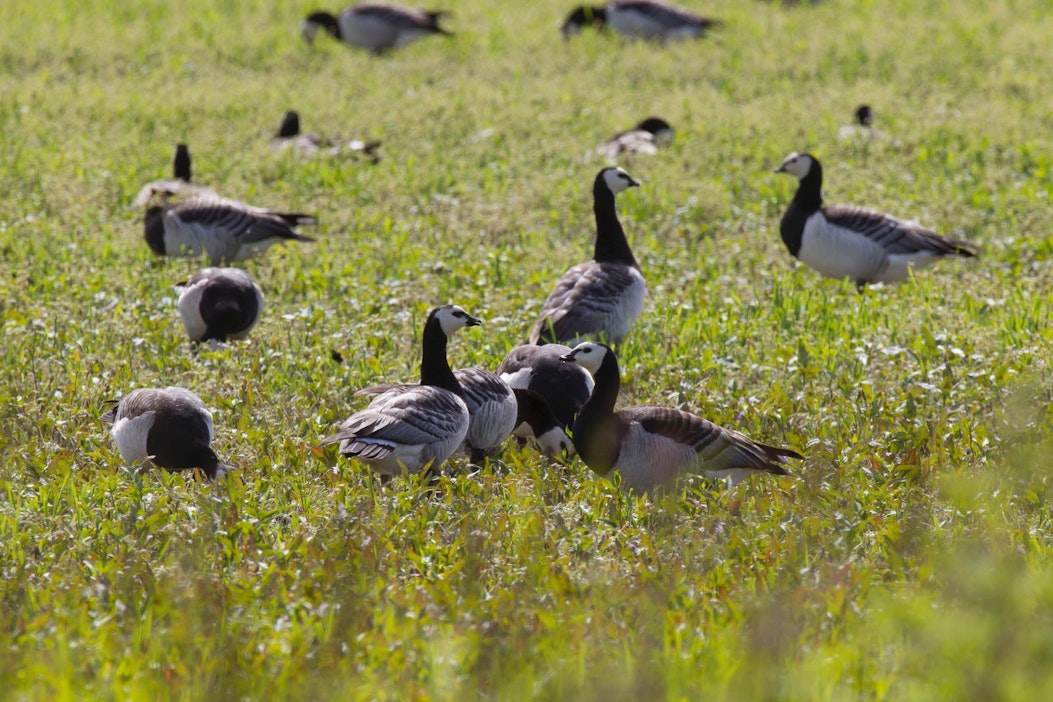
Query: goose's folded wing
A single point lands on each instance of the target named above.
(718, 448)
(408, 415)
(894, 235)
(665, 14)
(585, 298)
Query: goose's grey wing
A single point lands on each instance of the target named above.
(396, 16)
(667, 15)
(894, 235)
(407, 415)
(719, 449)
(589, 299)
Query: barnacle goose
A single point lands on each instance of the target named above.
(289, 136)
(217, 304)
(646, 138)
(640, 19)
(650, 446)
(168, 427)
(863, 129)
(410, 428)
(223, 230)
(601, 297)
(375, 26)
(178, 186)
(563, 387)
(845, 241)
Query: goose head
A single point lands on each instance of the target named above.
(864, 115)
(290, 125)
(452, 318)
(617, 180)
(583, 16)
(798, 165)
(662, 130)
(588, 354)
(316, 21)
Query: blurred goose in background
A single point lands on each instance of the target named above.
(218, 304)
(168, 427)
(651, 447)
(640, 19)
(178, 186)
(563, 387)
(410, 428)
(223, 230)
(645, 138)
(863, 129)
(289, 136)
(604, 296)
(375, 26)
(845, 241)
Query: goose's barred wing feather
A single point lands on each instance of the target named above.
(406, 415)
(583, 300)
(718, 448)
(665, 14)
(894, 235)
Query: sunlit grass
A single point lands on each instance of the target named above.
(909, 558)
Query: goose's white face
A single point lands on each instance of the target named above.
(796, 165)
(588, 355)
(618, 180)
(453, 318)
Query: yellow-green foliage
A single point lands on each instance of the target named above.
(908, 559)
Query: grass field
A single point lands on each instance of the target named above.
(911, 556)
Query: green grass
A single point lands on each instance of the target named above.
(910, 558)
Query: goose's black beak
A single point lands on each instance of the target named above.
(781, 169)
(473, 322)
(567, 358)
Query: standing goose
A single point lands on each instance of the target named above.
(563, 387)
(289, 136)
(375, 26)
(169, 427)
(651, 447)
(217, 304)
(640, 19)
(645, 138)
(845, 241)
(409, 428)
(179, 185)
(604, 296)
(223, 230)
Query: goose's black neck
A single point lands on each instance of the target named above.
(809, 193)
(806, 201)
(181, 163)
(596, 430)
(611, 244)
(154, 229)
(434, 368)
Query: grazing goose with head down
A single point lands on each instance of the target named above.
(645, 138)
(289, 136)
(178, 186)
(845, 241)
(640, 19)
(410, 428)
(168, 427)
(223, 230)
(217, 304)
(563, 387)
(536, 415)
(600, 298)
(651, 447)
(375, 26)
